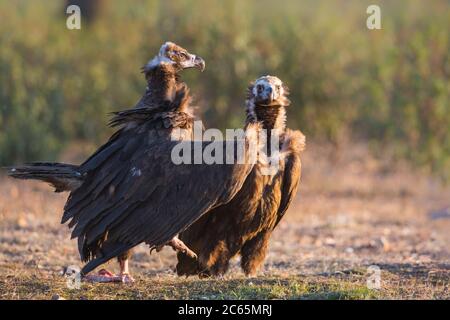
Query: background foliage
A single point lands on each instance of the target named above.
(389, 87)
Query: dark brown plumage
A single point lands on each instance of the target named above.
(244, 225)
(130, 191)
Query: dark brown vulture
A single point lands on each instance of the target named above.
(129, 191)
(244, 225)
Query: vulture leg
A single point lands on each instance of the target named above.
(179, 246)
(219, 258)
(253, 253)
(125, 276)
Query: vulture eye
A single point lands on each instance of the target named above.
(259, 88)
(181, 55)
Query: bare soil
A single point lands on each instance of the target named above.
(354, 213)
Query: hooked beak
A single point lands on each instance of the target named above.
(265, 98)
(195, 62)
(199, 63)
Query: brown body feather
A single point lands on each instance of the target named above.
(130, 190)
(134, 193)
(244, 225)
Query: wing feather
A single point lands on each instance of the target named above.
(140, 195)
(295, 144)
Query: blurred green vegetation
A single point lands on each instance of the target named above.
(389, 87)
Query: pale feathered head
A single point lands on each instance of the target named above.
(171, 54)
(268, 91)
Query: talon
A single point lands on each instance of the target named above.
(179, 246)
(127, 278)
(157, 248)
(191, 254)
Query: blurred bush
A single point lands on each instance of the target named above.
(390, 86)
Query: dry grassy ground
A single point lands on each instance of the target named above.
(352, 211)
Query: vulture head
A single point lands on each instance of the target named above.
(268, 91)
(176, 57)
(266, 99)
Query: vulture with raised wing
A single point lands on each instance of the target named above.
(244, 225)
(130, 191)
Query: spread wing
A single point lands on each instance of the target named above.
(292, 170)
(133, 192)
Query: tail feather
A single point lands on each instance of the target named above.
(63, 177)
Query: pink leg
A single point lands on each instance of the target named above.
(178, 246)
(125, 272)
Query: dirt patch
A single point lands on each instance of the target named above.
(353, 213)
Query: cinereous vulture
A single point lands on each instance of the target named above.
(130, 191)
(244, 225)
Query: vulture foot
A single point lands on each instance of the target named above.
(179, 246)
(157, 248)
(127, 278)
